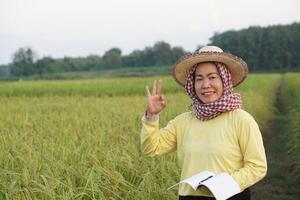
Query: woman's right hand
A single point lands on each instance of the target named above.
(156, 101)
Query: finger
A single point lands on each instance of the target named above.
(164, 100)
(164, 103)
(159, 88)
(154, 87)
(148, 91)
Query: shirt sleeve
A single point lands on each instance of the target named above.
(155, 141)
(252, 148)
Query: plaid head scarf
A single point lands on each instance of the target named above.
(227, 102)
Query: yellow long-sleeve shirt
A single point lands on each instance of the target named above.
(230, 143)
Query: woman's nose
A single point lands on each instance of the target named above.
(206, 83)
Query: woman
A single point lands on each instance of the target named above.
(217, 135)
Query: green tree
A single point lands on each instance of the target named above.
(134, 59)
(177, 52)
(46, 65)
(68, 64)
(93, 62)
(162, 53)
(149, 57)
(272, 48)
(4, 70)
(23, 62)
(112, 58)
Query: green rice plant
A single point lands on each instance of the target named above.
(259, 94)
(105, 86)
(79, 147)
(291, 101)
(92, 87)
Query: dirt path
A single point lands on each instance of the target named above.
(279, 183)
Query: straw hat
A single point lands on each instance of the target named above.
(237, 67)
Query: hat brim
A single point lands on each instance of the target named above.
(237, 67)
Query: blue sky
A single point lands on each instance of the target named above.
(60, 28)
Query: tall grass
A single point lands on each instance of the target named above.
(291, 98)
(85, 144)
(259, 94)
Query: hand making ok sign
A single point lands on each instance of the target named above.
(156, 101)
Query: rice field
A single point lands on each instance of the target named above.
(80, 139)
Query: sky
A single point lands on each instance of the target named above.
(59, 28)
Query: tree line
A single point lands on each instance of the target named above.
(272, 48)
(25, 62)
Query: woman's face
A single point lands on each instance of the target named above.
(208, 82)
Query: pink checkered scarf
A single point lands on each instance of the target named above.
(227, 102)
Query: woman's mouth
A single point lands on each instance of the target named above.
(208, 93)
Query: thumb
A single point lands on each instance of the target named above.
(164, 100)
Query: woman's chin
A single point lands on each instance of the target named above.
(208, 99)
